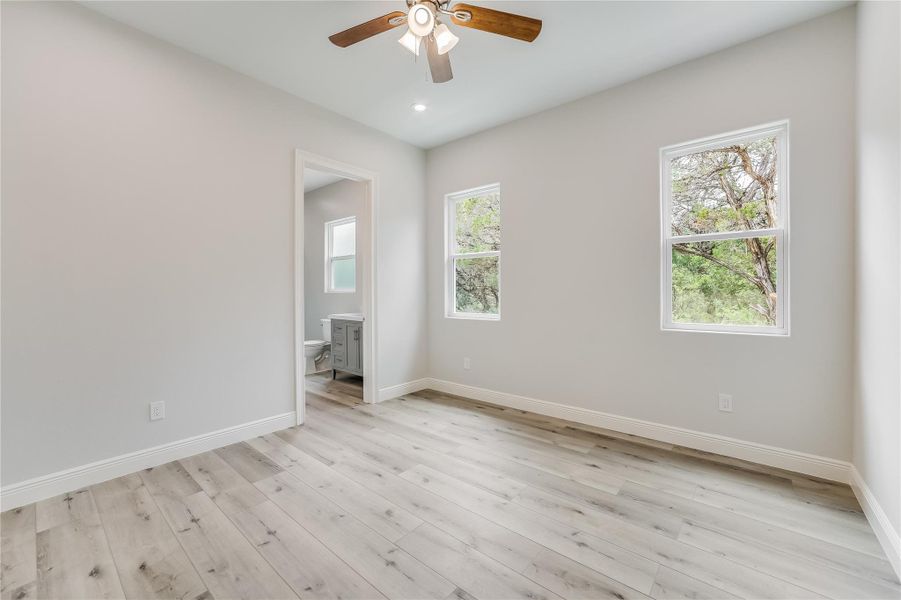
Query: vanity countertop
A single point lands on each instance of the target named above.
(347, 316)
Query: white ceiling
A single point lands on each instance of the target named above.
(584, 47)
(313, 179)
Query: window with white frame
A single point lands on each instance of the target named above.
(725, 232)
(474, 253)
(340, 256)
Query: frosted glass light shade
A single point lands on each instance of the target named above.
(410, 42)
(445, 39)
(421, 20)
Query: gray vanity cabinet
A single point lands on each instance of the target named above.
(347, 347)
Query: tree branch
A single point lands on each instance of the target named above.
(752, 280)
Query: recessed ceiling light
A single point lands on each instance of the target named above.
(419, 107)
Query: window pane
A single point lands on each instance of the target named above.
(477, 285)
(344, 239)
(733, 188)
(726, 282)
(344, 274)
(478, 224)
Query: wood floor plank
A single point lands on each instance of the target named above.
(18, 568)
(148, 557)
(673, 585)
(469, 424)
(386, 518)
(758, 532)
(471, 570)
(728, 481)
(560, 462)
(18, 579)
(594, 552)
(496, 483)
(230, 566)
(226, 562)
(73, 556)
(348, 392)
(693, 469)
(710, 568)
(66, 508)
(753, 488)
(356, 442)
(371, 418)
(309, 567)
(826, 496)
(170, 479)
(249, 463)
(222, 483)
(536, 439)
(19, 523)
(423, 421)
(489, 538)
(799, 571)
(321, 410)
(391, 570)
(854, 534)
(18, 553)
(574, 581)
(460, 594)
(505, 414)
(622, 507)
(321, 447)
(629, 539)
(502, 415)
(516, 433)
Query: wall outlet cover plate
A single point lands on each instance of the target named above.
(725, 402)
(157, 411)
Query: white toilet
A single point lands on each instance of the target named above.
(316, 352)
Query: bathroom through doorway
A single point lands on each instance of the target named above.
(335, 321)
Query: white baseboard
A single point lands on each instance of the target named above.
(791, 460)
(410, 387)
(47, 486)
(879, 521)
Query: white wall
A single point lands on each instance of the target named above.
(336, 201)
(147, 240)
(580, 249)
(877, 420)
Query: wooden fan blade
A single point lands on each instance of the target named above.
(496, 21)
(439, 64)
(367, 29)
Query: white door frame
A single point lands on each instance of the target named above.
(303, 159)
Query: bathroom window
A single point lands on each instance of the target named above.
(725, 233)
(474, 253)
(340, 253)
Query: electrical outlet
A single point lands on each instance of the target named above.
(726, 402)
(157, 410)
(467, 364)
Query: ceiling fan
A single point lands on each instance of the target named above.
(423, 19)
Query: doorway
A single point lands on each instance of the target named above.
(334, 273)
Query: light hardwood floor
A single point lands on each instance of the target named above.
(432, 496)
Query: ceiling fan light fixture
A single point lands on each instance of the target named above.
(445, 38)
(421, 20)
(411, 42)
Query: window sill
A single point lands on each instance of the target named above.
(473, 317)
(340, 291)
(778, 332)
